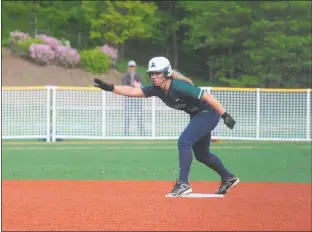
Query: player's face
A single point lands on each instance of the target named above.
(157, 78)
(131, 69)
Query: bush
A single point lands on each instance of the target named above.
(46, 50)
(20, 46)
(111, 52)
(95, 61)
(42, 53)
(66, 42)
(48, 40)
(67, 56)
(5, 42)
(17, 36)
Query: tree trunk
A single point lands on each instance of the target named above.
(79, 40)
(167, 51)
(174, 48)
(122, 51)
(231, 63)
(35, 28)
(210, 74)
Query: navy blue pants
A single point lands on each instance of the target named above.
(196, 138)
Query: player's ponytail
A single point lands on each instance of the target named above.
(178, 76)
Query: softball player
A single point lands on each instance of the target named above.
(178, 92)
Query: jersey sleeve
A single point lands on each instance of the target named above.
(149, 91)
(190, 90)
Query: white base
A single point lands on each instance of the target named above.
(198, 195)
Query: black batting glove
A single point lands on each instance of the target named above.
(103, 85)
(228, 120)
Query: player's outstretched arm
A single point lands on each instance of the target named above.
(211, 100)
(128, 91)
(120, 90)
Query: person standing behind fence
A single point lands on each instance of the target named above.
(133, 105)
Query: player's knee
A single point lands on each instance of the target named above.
(184, 143)
(202, 156)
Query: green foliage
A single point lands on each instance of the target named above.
(280, 45)
(21, 48)
(260, 44)
(5, 42)
(241, 43)
(95, 61)
(117, 21)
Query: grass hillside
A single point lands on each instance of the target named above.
(18, 72)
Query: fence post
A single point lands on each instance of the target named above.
(103, 113)
(153, 117)
(258, 113)
(53, 113)
(308, 113)
(48, 113)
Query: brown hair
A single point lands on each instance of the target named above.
(178, 76)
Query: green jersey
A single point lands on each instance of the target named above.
(180, 96)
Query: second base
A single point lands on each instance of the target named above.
(199, 195)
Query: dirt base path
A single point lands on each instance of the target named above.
(141, 205)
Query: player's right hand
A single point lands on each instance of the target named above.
(228, 120)
(103, 85)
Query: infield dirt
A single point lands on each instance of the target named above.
(141, 205)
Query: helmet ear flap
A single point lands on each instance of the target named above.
(166, 73)
(148, 76)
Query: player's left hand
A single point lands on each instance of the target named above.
(103, 85)
(228, 120)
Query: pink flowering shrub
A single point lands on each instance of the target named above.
(67, 56)
(20, 43)
(110, 51)
(42, 53)
(47, 50)
(17, 36)
(48, 40)
(63, 55)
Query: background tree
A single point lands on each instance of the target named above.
(232, 43)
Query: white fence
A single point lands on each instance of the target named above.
(88, 113)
